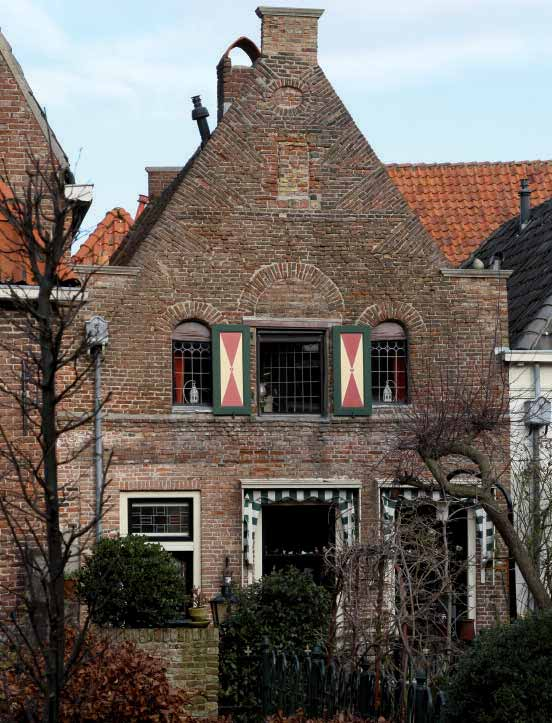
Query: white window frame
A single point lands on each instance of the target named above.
(193, 546)
(471, 555)
(255, 572)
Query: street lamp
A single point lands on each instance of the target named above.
(222, 603)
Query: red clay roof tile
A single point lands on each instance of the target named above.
(108, 235)
(460, 204)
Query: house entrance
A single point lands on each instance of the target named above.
(295, 534)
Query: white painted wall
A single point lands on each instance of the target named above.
(526, 370)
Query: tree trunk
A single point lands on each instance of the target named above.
(520, 554)
(55, 643)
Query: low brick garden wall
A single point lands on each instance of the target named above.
(190, 656)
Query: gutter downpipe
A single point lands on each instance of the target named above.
(98, 439)
(97, 337)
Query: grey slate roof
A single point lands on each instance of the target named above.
(528, 253)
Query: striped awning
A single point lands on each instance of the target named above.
(345, 501)
(484, 527)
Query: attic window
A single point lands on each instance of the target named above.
(389, 363)
(192, 368)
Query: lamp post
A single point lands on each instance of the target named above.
(222, 602)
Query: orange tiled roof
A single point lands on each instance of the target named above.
(460, 204)
(15, 266)
(108, 235)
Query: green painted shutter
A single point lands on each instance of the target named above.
(352, 377)
(231, 384)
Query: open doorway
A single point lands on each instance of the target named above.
(295, 534)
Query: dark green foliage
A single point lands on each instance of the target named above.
(131, 582)
(505, 676)
(289, 609)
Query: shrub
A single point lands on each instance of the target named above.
(505, 676)
(289, 608)
(112, 683)
(131, 582)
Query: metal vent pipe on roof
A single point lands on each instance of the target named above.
(524, 204)
(200, 114)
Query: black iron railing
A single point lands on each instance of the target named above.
(322, 688)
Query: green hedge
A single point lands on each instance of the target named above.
(288, 608)
(131, 582)
(506, 675)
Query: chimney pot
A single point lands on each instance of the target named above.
(200, 114)
(524, 204)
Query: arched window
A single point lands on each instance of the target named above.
(192, 373)
(389, 363)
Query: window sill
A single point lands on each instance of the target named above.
(292, 417)
(189, 409)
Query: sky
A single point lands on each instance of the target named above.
(425, 80)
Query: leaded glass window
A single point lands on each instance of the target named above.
(192, 366)
(389, 363)
(291, 373)
(161, 519)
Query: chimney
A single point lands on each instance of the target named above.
(524, 204)
(200, 114)
(290, 31)
(231, 79)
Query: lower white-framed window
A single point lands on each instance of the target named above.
(173, 519)
(288, 522)
(466, 528)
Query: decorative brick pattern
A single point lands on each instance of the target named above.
(293, 169)
(190, 656)
(266, 277)
(396, 311)
(287, 97)
(184, 310)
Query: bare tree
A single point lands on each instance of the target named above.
(460, 422)
(397, 600)
(47, 363)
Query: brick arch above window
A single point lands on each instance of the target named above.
(268, 276)
(191, 310)
(401, 312)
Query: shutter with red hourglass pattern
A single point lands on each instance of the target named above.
(231, 391)
(351, 372)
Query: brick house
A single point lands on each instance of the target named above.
(24, 133)
(273, 313)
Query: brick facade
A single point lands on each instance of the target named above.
(285, 216)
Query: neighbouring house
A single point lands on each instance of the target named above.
(24, 134)
(108, 235)
(273, 314)
(523, 245)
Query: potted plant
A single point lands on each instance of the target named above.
(198, 610)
